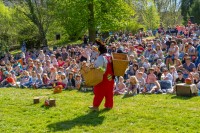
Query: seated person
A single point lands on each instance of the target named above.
(120, 87)
(141, 80)
(26, 80)
(152, 84)
(180, 78)
(8, 82)
(166, 81)
(188, 65)
(133, 87)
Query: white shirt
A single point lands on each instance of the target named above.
(169, 77)
(101, 61)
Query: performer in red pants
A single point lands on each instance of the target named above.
(105, 88)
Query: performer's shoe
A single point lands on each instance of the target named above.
(93, 108)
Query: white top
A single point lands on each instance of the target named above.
(100, 62)
(169, 77)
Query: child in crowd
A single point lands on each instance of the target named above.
(46, 81)
(120, 87)
(54, 60)
(41, 56)
(180, 78)
(174, 74)
(71, 81)
(62, 80)
(53, 75)
(47, 67)
(133, 87)
(38, 83)
(78, 82)
(8, 82)
(27, 80)
(34, 79)
(141, 81)
(39, 68)
(196, 78)
(146, 64)
(152, 84)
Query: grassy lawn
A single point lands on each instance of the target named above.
(141, 113)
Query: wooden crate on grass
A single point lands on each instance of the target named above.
(186, 90)
(120, 63)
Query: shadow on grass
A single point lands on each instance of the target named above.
(127, 96)
(90, 119)
(181, 97)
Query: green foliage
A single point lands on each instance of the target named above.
(3, 47)
(141, 113)
(133, 27)
(113, 15)
(35, 21)
(147, 13)
(72, 15)
(169, 12)
(185, 9)
(38, 15)
(7, 32)
(195, 11)
(150, 16)
(108, 16)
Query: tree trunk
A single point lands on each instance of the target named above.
(42, 37)
(35, 19)
(91, 22)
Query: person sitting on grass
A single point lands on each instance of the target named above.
(34, 78)
(39, 68)
(8, 82)
(196, 78)
(17, 67)
(46, 81)
(152, 84)
(78, 82)
(141, 80)
(120, 87)
(27, 80)
(71, 81)
(53, 75)
(166, 81)
(62, 80)
(180, 78)
(133, 87)
(174, 74)
(38, 83)
(54, 60)
(41, 56)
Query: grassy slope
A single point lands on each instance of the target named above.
(141, 113)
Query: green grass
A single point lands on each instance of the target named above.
(63, 43)
(141, 113)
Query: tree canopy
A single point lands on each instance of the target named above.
(38, 21)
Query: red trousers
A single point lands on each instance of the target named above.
(101, 91)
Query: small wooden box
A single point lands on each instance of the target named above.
(36, 100)
(186, 90)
